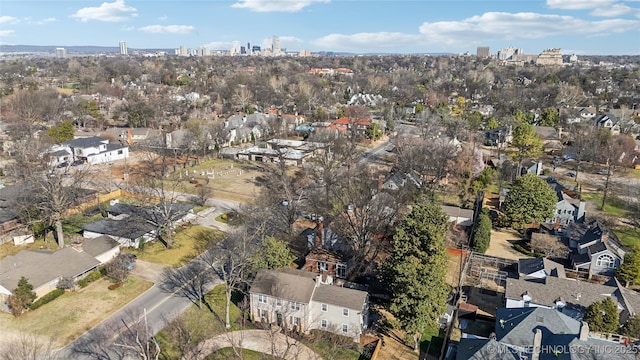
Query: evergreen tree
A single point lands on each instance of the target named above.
(610, 318)
(629, 270)
(482, 232)
(22, 297)
(594, 317)
(530, 199)
(416, 269)
(273, 254)
(632, 327)
(62, 132)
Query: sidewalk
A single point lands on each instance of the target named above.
(263, 341)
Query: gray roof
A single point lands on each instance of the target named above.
(484, 349)
(531, 265)
(591, 349)
(41, 267)
(154, 214)
(457, 212)
(98, 246)
(130, 228)
(516, 326)
(340, 296)
(294, 285)
(9, 196)
(93, 141)
(579, 294)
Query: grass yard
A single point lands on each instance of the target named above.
(201, 321)
(613, 206)
(331, 346)
(228, 354)
(629, 236)
(187, 244)
(70, 315)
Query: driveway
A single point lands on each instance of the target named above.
(264, 341)
(148, 271)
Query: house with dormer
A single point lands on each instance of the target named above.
(594, 248)
(95, 150)
(568, 209)
(608, 121)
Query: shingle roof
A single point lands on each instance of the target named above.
(531, 265)
(155, 214)
(457, 212)
(42, 267)
(574, 293)
(93, 141)
(484, 349)
(340, 296)
(516, 326)
(291, 285)
(131, 228)
(591, 349)
(98, 246)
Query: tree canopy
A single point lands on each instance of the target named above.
(22, 297)
(417, 267)
(62, 132)
(273, 254)
(602, 316)
(629, 270)
(526, 140)
(530, 200)
(482, 232)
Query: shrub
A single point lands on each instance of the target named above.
(521, 249)
(114, 286)
(47, 298)
(91, 277)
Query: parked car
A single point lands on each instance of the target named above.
(571, 175)
(604, 172)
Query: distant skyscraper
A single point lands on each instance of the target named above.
(61, 52)
(183, 51)
(255, 49)
(203, 51)
(508, 53)
(123, 48)
(483, 52)
(235, 49)
(275, 45)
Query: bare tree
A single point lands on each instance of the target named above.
(27, 346)
(119, 268)
(549, 245)
(615, 152)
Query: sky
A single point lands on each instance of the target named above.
(582, 27)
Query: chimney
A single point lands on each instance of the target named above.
(604, 238)
(584, 331)
(380, 182)
(318, 279)
(319, 234)
(537, 342)
(557, 226)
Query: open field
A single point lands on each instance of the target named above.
(72, 314)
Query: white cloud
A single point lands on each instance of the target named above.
(219, 45)
(616, 10)
(47, 20)
(110, 12)
(168, 29)
(578, 4)
(4, 33)
(8, 19)
(276, 5)
(366, 40)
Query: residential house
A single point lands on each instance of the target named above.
(103, 248)
(568, 209)
(129, 233)
(292, 152)
(325, 255)
(9, 211)
(248, 127)
(500, 136)
(399, 180)
(356, 125)
(550, 138)
(539, 268)
(608, 121)
(594, 248)
(96, 150)
(459, 216)
(302, 301)
(531, 167)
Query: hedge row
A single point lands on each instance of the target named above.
(92, 276)
(47, 298)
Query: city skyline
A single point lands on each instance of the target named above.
(594, 27)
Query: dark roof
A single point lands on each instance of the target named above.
(98, 246)
(597, 247)
(579, 259)
(574, 293)
(340, 296)
(532, 265)
(93, 141)
(591, 349)
(9, 196)
(290, 285)
(516, 326)
(41, 267)
(484, 349)
(131, 228)
(154, 214)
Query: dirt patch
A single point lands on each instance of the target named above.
(456, 259)
(502, 245)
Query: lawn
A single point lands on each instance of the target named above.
(331, 346)
(70, 315)
(629, 236)
(613, 206)
(201, 321)
(187, 244)
(228, 354)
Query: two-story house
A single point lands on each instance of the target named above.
(594, 248)
(96, 150)
(567, 209)
(302, 301)
(608, 121)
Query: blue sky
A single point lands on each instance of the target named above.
(405, 26)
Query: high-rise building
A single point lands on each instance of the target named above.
(275, 45)
(550, 57)
(203, 51)
(235, 49)
(123, 48)
(304, 53)
(183, 51)
(508, 53)
(61, 52)
(255, 49)
(483, 52)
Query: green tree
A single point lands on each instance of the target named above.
(527, 141)
(416, 269)
(632, 327)
(530, 200)
(374, 132)
(602, 316)
(61, 132)
(22, 297)
(273, 254)
(492, 124)
(482, 232)
(629, 270)
(549, 117)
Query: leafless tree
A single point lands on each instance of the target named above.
(119, 268)
(615, 152)
(242, 97)
(549, 245)
(27, 346)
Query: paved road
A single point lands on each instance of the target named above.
(264, 341)
(376, 153)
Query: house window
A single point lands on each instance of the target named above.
(345, 312)
(324, 307)
(605, 261)
(296, 321)
(342, 271)
(323, 323)
(278, 302)
(295, 306)
(262, 299)
(120, 152)
(345, 328)
(323, 266)
(262, 313)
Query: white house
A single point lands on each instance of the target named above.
(302, 301)
(96, 150)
